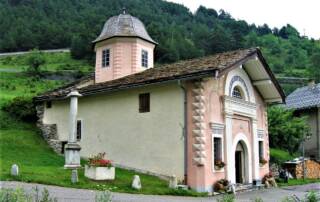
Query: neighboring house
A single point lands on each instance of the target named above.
(179, 119)
(306, 101)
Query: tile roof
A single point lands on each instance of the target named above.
(304, 97)
(124, 25)
(199, 67)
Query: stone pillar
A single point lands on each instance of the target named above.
(72, 149)
(229, 154)
(255, 151)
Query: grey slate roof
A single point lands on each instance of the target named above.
(124, 25)
(304, 97)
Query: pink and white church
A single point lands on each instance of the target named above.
(185, 119)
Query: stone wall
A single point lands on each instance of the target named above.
(49, 131)
(312, 169)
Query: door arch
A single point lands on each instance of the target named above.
(241, 150)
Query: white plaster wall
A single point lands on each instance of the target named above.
(112, 123)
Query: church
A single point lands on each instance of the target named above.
(201, 119)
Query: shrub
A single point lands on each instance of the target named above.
(312, 197)
(35, 60)
(286, 131)
(19, 195)
(104, 196)
(98, 160)
(227, 198)
(21, 108)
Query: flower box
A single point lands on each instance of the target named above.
(99, 168)
(99, 173)
(262, 162)
(218, 164)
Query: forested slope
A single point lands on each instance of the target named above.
(28, 24)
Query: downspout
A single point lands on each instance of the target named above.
(185, 133)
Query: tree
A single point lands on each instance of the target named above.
(315, 68)
(35, 60)
(285, 130)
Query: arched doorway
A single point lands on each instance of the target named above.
(241, 163)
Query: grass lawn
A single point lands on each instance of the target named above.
(54, 62)
(39, 164)
(280, 156)
(293, 182)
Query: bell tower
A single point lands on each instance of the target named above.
(124, 47)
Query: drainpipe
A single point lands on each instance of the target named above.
(185, 133)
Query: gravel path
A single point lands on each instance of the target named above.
(79, 195)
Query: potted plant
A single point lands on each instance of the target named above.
(99, 168)
(262, 161)
(219, 164)
(221, 185)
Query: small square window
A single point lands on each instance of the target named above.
(79, 130)
(106, 58)
(144, 102)
(144, 58)
(48, 104)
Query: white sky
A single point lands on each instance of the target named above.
(303, 15)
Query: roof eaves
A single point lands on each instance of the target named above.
(102, 89)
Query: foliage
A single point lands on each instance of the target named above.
(55, 62)
(99, 160)
(285, 130)
(104, 196)
(312, 196)
(262, 161)
(279, 156)
(227, 198)
(19, 195)
(21, 108)
(180, 33)
(219, 163)
(14, 195)
(35, 60)
(221, 185)
(257, 200)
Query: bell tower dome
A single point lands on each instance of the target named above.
(124, 47)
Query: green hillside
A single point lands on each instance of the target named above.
(180, 33)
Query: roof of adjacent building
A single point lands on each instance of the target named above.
(124, 25)
(212, 65)
(304, 97)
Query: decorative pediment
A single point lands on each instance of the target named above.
(217, 128)
(260, 133)
(237, 106)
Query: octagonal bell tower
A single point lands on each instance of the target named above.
(124, 47)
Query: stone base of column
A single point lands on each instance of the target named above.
(72, 156)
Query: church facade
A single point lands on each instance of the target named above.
(201, 120)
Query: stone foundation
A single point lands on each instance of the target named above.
(48, 131)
